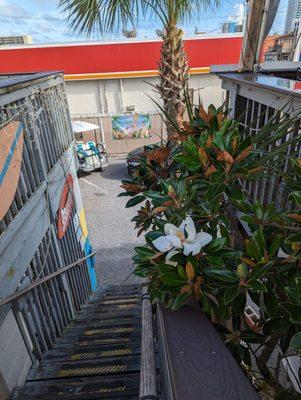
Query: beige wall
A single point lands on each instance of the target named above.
(95, 99)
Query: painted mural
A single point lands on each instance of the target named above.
(131, 126)
(71, 211)
(11, 149)
(65, 207)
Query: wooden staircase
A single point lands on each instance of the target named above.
(97, 357)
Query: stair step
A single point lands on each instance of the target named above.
(100, 366)
(84, 341)
(87, 388)
(90, 352)
(106, 319)
(98, 355)
(96, 329)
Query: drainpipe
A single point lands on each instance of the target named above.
(122, 95)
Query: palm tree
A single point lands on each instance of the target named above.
(89, 16)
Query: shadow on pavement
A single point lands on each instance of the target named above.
(116, 171)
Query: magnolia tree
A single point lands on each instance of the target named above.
(195, 245)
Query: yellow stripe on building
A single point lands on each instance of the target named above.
(130, 74)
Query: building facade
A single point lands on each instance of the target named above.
(105, 81)
(15, 40)
(282, 48)
(293, 13)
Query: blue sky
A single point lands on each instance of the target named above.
(42, 20)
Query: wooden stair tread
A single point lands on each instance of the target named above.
(98, 355)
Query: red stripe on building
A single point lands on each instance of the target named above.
(115, 57)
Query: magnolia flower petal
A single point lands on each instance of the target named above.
(174, 240)
(162, 244)
(190, 229)
(193, 247)
(181, 228)
(203, 238)
(170, 229)
(170, 254)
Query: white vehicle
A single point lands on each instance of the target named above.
(91, 155)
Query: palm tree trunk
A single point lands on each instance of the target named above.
(173, 69)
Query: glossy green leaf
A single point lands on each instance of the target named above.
(275, 325)
(230, 294)
(222, 274)
(296, 342)
(172, 279)
(271, 302)
(235, 192)
(238, 306)
(134, 201)
(216, 245)
(214, 261)
(180, 300)
(294, 310)
(144, 252)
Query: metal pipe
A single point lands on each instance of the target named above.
(43, 280)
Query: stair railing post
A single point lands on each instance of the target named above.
(148, 385)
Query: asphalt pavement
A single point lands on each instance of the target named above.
(109, 223)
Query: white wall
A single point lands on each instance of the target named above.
(83, 97)
(105, 96)
(208, 87)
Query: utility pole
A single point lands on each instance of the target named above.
(260, 17)
(297, 51)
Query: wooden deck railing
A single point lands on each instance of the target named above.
(195, 362)
(253, 99)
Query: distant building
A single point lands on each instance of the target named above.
(293, 13)
(14, 40)
(268, 45)
(232, 27)
(117, 78)
(281, 49)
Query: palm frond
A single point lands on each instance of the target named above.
(90, 16)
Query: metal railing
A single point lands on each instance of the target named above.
(253, 99)
(46, 274)
(45, 118)
(50, 293)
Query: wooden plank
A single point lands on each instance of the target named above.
(198, 365)
(148, 372)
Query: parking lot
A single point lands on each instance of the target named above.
(109, 223)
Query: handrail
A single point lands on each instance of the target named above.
(59, 271)
(148, 385)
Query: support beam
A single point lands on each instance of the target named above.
(260, 18)
(252, 35)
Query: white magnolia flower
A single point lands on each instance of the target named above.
(184, 237)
